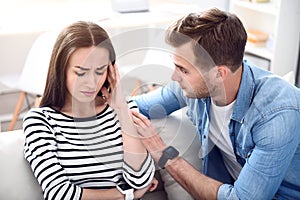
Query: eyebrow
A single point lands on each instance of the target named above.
(102, 67)
(179, 66)
(86, 69)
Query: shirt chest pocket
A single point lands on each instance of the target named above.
(244, 144)
(244, 152)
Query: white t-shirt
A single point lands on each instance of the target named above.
(219, 135)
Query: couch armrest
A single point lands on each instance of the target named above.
(17, 179)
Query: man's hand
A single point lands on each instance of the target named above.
(150, 137)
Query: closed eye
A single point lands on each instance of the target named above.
(101, 70)
(80, 73)
(80, 70)
(182, 69)
(100, 73)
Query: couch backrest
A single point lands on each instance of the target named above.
(17, 181)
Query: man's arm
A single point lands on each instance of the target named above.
(161, 102)
(197, 184)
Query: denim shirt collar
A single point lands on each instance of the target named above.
(245, 94)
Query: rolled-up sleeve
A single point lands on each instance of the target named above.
(227, 191)
(139, 178)
(161, 102)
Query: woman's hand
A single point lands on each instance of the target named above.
(141, 192)
(114, 94)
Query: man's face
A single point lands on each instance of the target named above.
(187, 75)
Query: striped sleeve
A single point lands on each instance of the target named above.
(143, 177)
(132, 105)
(40, 151)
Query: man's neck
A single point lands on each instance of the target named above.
(231, 85)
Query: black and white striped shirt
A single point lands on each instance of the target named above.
(67, 154)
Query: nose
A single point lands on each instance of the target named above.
(175, 76)
(92, 80)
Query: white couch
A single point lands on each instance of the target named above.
(18, 183)
(17, 180)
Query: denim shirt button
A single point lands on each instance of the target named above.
(232, 134)
(204, 136)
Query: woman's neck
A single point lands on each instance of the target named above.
(82, 110)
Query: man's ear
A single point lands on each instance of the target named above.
(222, 71)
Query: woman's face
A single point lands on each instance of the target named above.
(86, 73)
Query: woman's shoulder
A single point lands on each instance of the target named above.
(37, 119)
(41, 112)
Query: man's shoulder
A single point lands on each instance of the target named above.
(269, 92)
(270, 85)
(275, 96)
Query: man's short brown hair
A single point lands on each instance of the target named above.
(221, 34)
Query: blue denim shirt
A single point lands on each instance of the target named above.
(264, 131)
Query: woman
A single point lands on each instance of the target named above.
(74, 144)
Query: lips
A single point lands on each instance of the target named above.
(88, 93)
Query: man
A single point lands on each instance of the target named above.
(248, 119)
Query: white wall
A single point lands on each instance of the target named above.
(206, 4)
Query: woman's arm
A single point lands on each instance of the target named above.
(109, 194)
(40, 150)
(114, 194)
(138, 165)
(134, 151)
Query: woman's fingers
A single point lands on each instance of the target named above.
(116, 71)
(154, 184)
(112, 76)
(105, 94)
(116, 99)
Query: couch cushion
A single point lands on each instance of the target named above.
(17, 179)
(177, 130)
